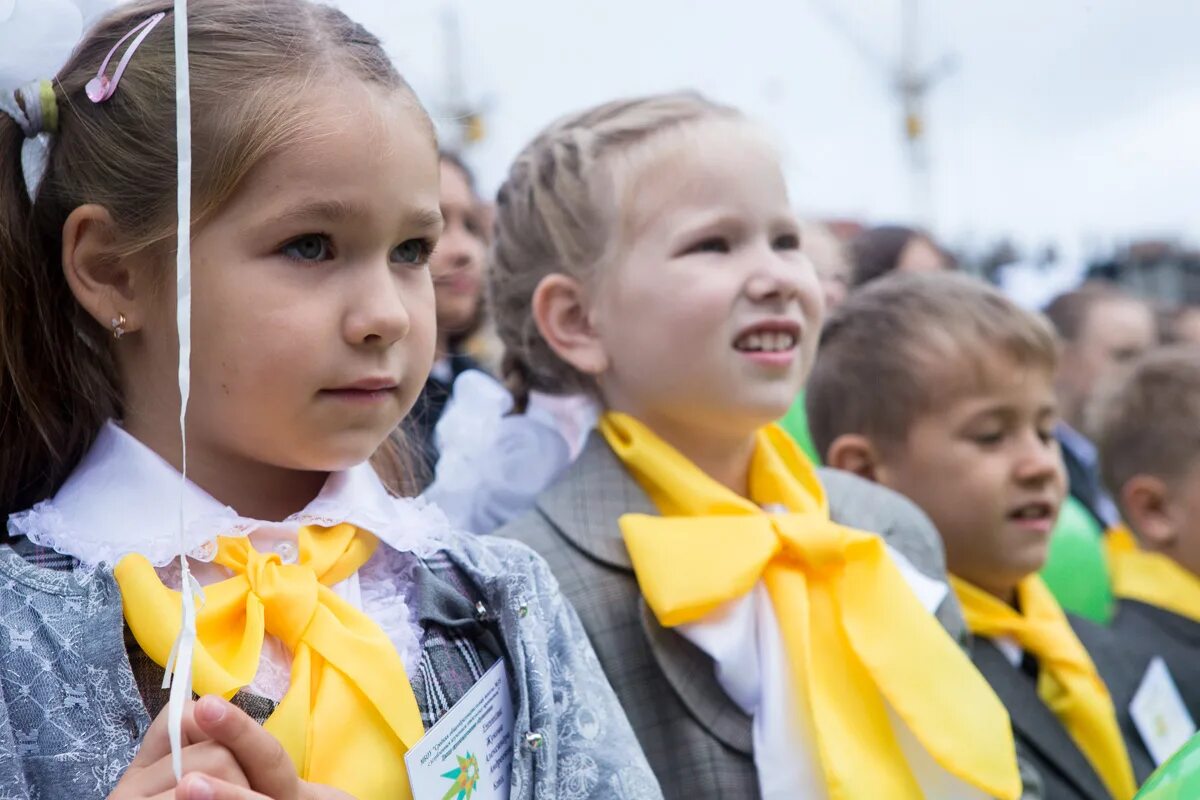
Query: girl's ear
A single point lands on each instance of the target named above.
(109, 285)
(562, 317)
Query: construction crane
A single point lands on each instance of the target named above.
(912, 84)
(467, 116)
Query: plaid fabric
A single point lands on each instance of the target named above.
(43, 557)
(458, 644)
(697, 740)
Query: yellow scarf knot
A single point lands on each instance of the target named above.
(350, 713)
(813, 541)
(857, 639)
(1068, 682)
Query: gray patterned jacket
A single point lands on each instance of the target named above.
(71, 715)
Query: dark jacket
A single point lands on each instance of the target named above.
(1041, 739)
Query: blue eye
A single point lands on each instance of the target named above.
(309, 247)
(413, 252)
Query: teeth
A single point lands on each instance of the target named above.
(767, 341)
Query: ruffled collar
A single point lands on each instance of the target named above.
(124, 498)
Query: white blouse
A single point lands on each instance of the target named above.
(124, 498)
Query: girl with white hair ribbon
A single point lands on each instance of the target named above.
(263, 554)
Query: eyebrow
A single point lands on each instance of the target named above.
(1006, 411)
(339, 211)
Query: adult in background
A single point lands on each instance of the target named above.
(1102, 329)
(835, 271)
(457, 269)
(885, 249)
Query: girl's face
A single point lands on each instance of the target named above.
(709, 318)
(457, 265)
(313, 311)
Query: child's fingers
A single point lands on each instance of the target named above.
(157, 743)
(204, 787)
(205, 758)
(262, 759)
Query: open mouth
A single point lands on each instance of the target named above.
(1038, 515)
(777, 337)
(766, 342)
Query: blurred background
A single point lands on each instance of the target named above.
(1040, 141)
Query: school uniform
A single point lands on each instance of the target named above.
(1173, 637)
(79, 685)
(1158, 612)
(421, 423)
(697, 694)
(1042, 737)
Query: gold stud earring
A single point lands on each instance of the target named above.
(118, 325)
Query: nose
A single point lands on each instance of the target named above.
(378, 314)
(458, 248)
(454, 248)
(772, 276)
(1039, 461)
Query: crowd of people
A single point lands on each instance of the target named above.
(737, 508)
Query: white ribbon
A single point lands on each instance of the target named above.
(35, 151)
(184, 647)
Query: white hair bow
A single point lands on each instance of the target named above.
(36, 38)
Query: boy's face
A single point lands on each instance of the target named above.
(986, 468)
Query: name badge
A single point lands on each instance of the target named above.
(1159, 714)
(467, 754)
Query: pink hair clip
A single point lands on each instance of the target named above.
(101, 87)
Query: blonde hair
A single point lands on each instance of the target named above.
(875, 368)
(559, 212)
(251, 63)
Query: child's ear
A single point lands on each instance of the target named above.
(106, 283)
(852, 452)
(1146, 503)
(562, 317)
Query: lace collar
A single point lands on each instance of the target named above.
(124, 498)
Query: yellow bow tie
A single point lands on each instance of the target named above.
(1067, 680)
(858, 639)
(349, 714)
(1151, 578)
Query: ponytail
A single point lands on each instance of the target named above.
(56, 376)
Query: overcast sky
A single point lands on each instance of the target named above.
(1075, 121)
(1071, 120)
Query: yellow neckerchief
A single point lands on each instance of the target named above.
(1151, 578)
(857, 637)
(1067, 679)
(349, 715)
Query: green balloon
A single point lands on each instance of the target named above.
(795, 422)
(1178, 778)
(1076, 568)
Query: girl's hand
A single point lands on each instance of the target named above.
(151, 775)
(226, 756)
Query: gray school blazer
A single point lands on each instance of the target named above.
(698, 741)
